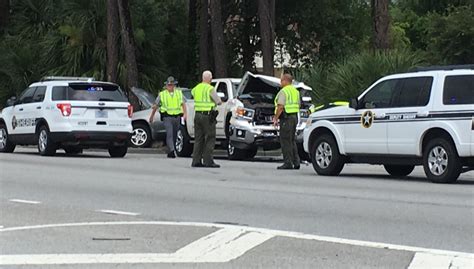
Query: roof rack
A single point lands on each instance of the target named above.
(443, 67)
(55, 78)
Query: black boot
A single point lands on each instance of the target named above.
(285, 166)
(171, 155)
(212, 165)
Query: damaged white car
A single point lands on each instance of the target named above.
(250, 126)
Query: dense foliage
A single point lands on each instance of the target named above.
(328, 41)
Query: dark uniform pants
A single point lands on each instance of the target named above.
(288, 125)
(171, 126)
(205, 138)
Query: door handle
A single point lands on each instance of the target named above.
(20, 109)
(423, 114)
(38, 107)
(380, 116)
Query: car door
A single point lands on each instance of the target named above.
(458, 107)
(406, 120)
(222, 91)
(23, 120)
(366, 127)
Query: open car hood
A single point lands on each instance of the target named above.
(252, 83)
(259, 89)
(147, 98)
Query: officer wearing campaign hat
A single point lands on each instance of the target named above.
(170, 101)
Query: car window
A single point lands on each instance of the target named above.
(458, 90)
(27, 96)
(380, 96)
(39, 94)
(88, 92)
(59, 93)
(413, 92)
(235, 86)
(222, 87)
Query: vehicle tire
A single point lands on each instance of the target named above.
(325, 156)
(183, 145)
(237, 154)
(5, 145)
(46, 147)
(72, 150)
(441, 161)
(118, 152)
(141, 136)
(302, 154)
(251, 153)
(399, 170)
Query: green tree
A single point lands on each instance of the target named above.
(448, 43)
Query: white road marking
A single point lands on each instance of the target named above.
(24, 201)
(434, 261)
(223, 245)
(115, 212)
(427, 260)
(236, 239)
(237, 247)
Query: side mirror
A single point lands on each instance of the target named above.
(12, 101)
(354, 103)
(222, 96)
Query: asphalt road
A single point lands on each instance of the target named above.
(361, 204)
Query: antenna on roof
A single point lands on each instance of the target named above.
(56, 78)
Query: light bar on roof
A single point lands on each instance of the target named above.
(56, 78)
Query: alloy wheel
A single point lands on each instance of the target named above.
(438, 160)
(323, 155)
(139, 137)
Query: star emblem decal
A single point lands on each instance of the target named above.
(367, 119)
(14, 123)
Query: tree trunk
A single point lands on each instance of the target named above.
(4, 13)
(218, 44)
(247, 51)
(381, 24)
(113, 32)
(130, 50)
(204, 63)
(266, 13)
(191, 52)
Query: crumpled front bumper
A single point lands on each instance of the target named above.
(245, 134)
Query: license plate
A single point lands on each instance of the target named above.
(101, 114)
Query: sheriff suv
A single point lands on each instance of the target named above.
(68, 113)
(425, 117)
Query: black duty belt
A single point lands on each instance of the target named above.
(204, 112)
(286, 115)
(165, 115)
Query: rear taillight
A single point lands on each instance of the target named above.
(65, 109)
(130, 111)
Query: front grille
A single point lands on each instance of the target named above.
(264, 115)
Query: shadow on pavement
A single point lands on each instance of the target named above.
(406, 179)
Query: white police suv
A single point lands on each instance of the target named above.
(424, 118)
(69, 113)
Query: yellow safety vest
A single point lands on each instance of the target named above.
(292, 95)
(171, 104)
(202, 97)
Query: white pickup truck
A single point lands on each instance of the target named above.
(244, 122)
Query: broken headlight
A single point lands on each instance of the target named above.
(245, 113)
